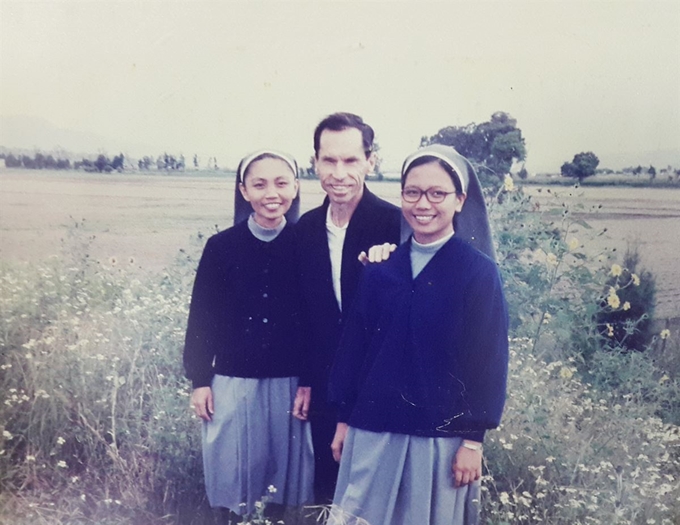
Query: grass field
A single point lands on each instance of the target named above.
(148, 219)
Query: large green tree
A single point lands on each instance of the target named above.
(492, 146)
(583, 165)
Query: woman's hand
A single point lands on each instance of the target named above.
(202, 401)
(377, 253)
(301, 404)
(339, 440)
(467, 465)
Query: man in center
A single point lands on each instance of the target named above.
(331, 237)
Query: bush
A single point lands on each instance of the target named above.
(633, 292)
(95, 410)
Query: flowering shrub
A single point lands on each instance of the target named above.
(569, 454)
(590, 430)
(630, 297)
(94, 410)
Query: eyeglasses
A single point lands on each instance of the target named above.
(433, 195)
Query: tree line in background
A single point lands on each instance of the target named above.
(38, 162)
(102, 164)
(585, 165)
(493, 147)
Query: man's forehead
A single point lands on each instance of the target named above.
(345, 143)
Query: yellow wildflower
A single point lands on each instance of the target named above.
(573, 243)
(613, 299)
(635, 279)
(616, 270)
(566, 373)
(663, 379)
(626, 305)
(665, 333)
(551, 259)
(508, 183)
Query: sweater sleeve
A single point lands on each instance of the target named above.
(485, 361)
(202, 327)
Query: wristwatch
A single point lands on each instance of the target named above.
(470, 446)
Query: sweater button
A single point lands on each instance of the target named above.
(265, 320)
(265, 295)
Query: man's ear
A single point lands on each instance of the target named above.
(372, 159)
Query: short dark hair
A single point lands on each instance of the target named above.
(340, 121)
(445, 166)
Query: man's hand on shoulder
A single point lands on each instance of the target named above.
(377, 253)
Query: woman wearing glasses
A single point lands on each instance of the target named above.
(421, 369)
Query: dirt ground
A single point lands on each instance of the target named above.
(147, 219)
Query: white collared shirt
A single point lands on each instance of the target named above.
(336, 240)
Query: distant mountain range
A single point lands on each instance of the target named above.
(30, 133)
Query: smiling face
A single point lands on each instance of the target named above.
(342, 165)
(431, 222)
(270, 187)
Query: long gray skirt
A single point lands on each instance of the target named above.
(396, 479)
(254, 448)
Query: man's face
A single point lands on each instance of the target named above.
(341, 165)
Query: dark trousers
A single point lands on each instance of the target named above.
(325, 467)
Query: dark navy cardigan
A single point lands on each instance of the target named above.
(374, 221)
(425, 356)
(245, 308)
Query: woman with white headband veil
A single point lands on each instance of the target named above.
(242, 350)
(421, 371)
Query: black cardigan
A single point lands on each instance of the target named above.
(245, 308)
(374, 221)
(425, 356)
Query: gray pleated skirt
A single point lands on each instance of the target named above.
(397, 479)
(254, 448)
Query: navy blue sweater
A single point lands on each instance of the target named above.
(244, 315)
(425, 356)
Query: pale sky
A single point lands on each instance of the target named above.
(225, 78)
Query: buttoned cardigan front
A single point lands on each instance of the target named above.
(425, 356)
(245, 308)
